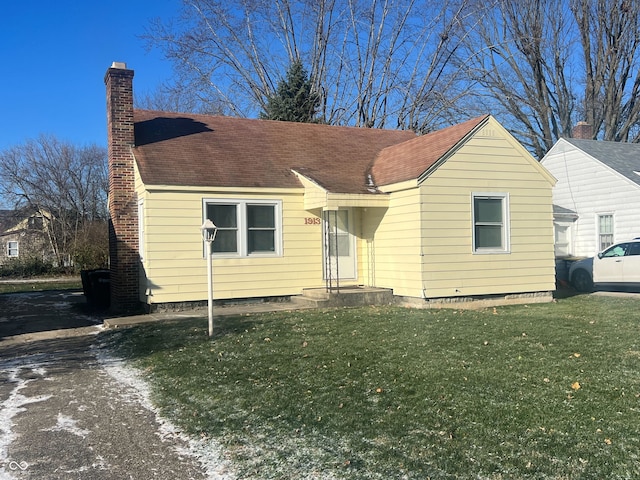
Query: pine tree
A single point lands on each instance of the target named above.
(294, 100)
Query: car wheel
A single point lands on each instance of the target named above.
(582, 281)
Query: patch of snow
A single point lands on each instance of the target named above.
(67, 424)
(39, 371)
(208, 452)
(101, 463)
(13, 405)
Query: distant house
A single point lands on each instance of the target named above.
(597, 194)
(23, 234)
(460, 213)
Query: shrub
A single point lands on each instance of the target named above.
(91, 250)
(26, 267)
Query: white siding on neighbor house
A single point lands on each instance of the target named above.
(174, 262)
(488, 162)
(590, 188)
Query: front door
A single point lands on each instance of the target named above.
(339, 246)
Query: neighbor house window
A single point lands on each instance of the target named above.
(12, 249)
(245, 227)
(605, 231)
(490, 222)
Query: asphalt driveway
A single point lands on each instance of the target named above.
(68, 410)
(35, 313)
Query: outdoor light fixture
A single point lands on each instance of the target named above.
(209, 231)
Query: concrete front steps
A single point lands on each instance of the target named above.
(351, 296)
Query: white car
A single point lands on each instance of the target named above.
(616, 266)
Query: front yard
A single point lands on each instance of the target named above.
(547, 391)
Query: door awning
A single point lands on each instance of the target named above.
(316, 196)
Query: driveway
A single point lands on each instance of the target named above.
(69, 410)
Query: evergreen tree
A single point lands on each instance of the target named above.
(294, 100)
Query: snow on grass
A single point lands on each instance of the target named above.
(208, 452)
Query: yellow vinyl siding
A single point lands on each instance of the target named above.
(417, 239)
(175, 267)
(497, 165)
(369, 220)
(314, 195)
(141, 195)
(394, 253)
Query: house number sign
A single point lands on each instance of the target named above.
(312, 221)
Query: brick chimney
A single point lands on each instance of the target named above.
(582, 130)
(123, 207)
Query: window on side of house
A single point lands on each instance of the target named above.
(245, 227)
(490, 222)
(605, 231)
(12, 249)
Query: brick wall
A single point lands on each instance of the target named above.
(582, 130)
(123, 210)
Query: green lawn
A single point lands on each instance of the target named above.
(539, 391)
(71, 283)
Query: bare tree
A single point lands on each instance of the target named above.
(519, 60)
(177, 97)
(608, 31)
(65, 183)
(544, 65)
(375, 63)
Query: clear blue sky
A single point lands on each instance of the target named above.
(54, 56)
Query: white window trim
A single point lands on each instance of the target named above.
(241, 213)
(17, 249)
(506, 220)
(599, 234)
(141, 232)
(563, 249)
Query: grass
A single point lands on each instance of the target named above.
(539, 391)
(41, 285)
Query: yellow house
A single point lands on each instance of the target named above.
(461, 213)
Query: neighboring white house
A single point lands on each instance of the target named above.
(597, 195)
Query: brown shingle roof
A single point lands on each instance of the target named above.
(409, 160)
(202, 150)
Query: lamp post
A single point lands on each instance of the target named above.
(209, 231)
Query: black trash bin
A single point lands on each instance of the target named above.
(96, 285)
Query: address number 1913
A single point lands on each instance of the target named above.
(312, 221)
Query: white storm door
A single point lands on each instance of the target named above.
(340, 260)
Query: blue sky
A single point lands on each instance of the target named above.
(54, 56)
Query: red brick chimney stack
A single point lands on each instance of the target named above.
(123, 207)
(582, 130)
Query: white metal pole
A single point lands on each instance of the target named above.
(210, 289)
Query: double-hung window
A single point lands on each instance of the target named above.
(245, 227)
(12, 249)
(490, 222)
(605, 231)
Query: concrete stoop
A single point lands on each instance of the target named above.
(345, 297)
